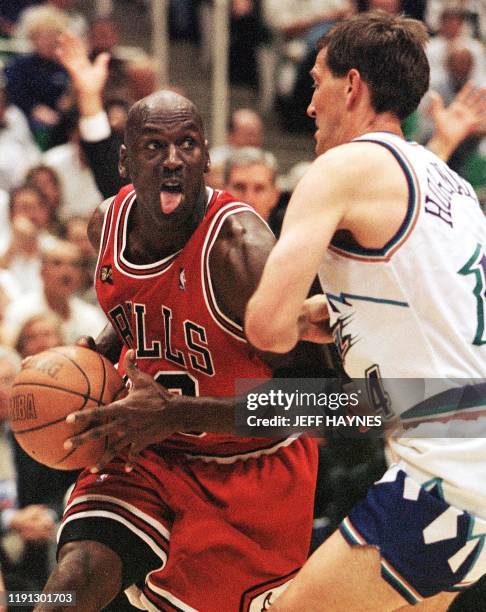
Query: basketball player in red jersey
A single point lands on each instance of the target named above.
(200, 521)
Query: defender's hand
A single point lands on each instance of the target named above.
(314, 320)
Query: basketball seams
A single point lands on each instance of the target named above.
(38, 427)
(103, 384)
(53, 350)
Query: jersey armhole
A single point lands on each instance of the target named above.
(223, 321)
(385, 253)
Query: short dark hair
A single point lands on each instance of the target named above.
(388, 52)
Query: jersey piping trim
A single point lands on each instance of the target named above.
(389, 573)
(105, 235)
(155, 535)
(404, 231)
(223, 321)
(228, 459)
(105, 231)
(460, 403)
(168, 600)
(120, 243)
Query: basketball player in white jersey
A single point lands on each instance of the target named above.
(399, 242)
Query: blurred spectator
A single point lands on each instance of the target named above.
(250, 175)
(36, 82)
(103, 37)
(80, 195)
(24, 236)
(76, 21)
(307, 20)
(459, 68)
(38, 333)
(474, 12)
(61, 271)
(389, 6)
(452, 34)
(47, 182)
(245, 129)
(18, 151)
(10, 11)
(247, 33)
(297, 26)
(24, 530)
(141, 77)
(76, 232)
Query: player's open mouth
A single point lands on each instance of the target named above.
(170, 196)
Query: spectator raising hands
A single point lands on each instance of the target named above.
(465, 116)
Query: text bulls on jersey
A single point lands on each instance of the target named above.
(195, 354)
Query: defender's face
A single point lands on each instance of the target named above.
(166, 159)
(327, 105)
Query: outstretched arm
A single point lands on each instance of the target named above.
(88, 78)
(99, 144)
(465, 116)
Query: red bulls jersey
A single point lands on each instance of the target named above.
(168, 312)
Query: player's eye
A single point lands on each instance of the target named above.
(153, 145)
(188, 144)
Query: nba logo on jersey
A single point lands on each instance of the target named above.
(182, 279)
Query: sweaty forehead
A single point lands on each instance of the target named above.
(169, 113)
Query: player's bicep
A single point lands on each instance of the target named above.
(237, 260)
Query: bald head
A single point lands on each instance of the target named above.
(160, 105)
(246, 128)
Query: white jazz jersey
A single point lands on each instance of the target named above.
(416, 309)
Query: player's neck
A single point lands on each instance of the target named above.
(148, 243)
(383, 122)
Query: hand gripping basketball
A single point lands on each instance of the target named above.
(147, 415)
(51, 385)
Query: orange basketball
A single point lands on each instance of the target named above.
(50, 386)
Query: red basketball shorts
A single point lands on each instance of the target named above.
(195, 535)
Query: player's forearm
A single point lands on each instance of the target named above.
(210, 414)
(89, 103)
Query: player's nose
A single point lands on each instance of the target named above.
(311, 111)
(172, 159)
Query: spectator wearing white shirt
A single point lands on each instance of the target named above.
(24, 232)
(62, 275)
(18, 150)
(79, 194)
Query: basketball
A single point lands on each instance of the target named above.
(51, 385)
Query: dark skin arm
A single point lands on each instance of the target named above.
(150, 413)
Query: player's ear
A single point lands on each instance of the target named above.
(207, 165)
(353, 86)
(123, 168)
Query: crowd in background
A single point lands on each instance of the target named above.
(52, 178)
